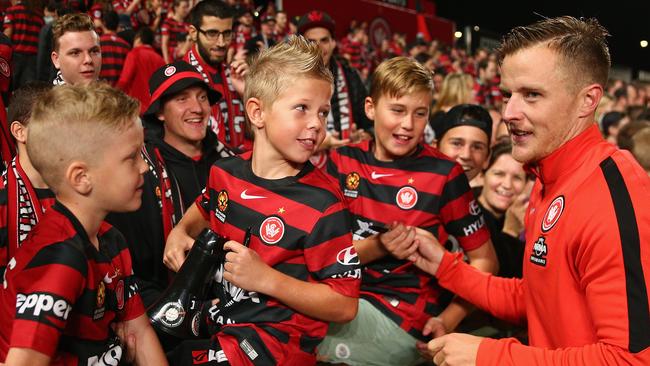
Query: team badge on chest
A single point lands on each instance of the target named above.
(552, 214)
(272, 230)
(406, 197)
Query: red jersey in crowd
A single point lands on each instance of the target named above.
(175, 30)
(26, 26)
(300, 226)
(487, 94)
(427, 190)
(139, 65)
(61, 294)
(114, 51)
(586, 272)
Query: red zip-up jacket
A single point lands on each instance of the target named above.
(586, 271)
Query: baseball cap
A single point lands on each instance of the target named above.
(465, 115)
(173, 78)
(315, 19)
(268, 18)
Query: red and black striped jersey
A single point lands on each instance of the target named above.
(427, 190)
(120, 7)
(175, 30)
(114, 51)
(26, 26)
(300, 227)
(60, 294)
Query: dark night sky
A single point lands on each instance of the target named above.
(628, 21)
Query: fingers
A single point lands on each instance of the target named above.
(130, 348)
(233, 246)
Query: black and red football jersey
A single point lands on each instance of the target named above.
(427, 190)
(114, 51)
(300, 227)
(60, 294)
(26, 26)
(175, 30)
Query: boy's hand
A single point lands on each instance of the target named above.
(399, 240)
(456, 349)
(178, 243)
(239, 69)
(429, 252)
(245, 269)
(127, 340)
(434, 327)
(332, 141)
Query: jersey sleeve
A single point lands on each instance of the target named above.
(46, 290)
(329, 253)
(203, 200)
(133, 306)
(165, 28)
(502, 297)
(460, 213)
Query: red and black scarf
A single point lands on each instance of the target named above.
(163, 189)
(342, 93)
(24, 209)
(228, 120)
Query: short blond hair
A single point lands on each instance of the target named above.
(275, 69)
(400, 76)
(71, 123)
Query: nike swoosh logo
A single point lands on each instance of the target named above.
(249, 196)
(107, 279)
(376, 175)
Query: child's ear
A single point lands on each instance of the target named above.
(76, 175)
(255, 112)
(19, 131)
(369, 106)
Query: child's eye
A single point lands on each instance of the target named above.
(301, 107)
(324, 114)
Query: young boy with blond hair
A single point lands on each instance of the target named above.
(299, 270)
(398, 183)
(71, 281)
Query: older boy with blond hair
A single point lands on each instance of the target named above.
(72, 279)
(398, 183)
(299, 270)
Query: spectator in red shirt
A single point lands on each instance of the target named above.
(139, 65)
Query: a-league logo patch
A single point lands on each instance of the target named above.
(222, 205)
(540, 250)
(552, 214)
(272, 230)
(352, 181)
(406, 197)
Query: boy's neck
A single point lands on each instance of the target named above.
(270, 166)
(32, 174)
(89, 217)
